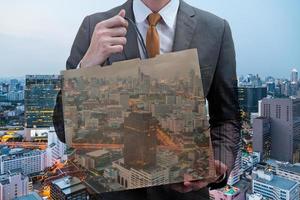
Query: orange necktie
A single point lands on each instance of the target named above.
(152, 39)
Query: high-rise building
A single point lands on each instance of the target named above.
(68, 187)
(262, 137)
(274, 187)
(136, 178)
(294, 76)
(29, 161)
(249, 97)
(271, 88)
(13, 84)
(249, 160)
(284, 115)
(40, 98)
(55, 148)
(13, 184)
(140, 130)
(235, 174)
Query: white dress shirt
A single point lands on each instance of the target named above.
(165, 28)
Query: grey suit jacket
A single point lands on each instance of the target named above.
(195, 28)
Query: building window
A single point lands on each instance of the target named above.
(267, 110)
(278, 111)
(287, 113)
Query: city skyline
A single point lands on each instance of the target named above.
(38, 37)
(57, 161)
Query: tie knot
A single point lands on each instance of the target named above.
(153, 19)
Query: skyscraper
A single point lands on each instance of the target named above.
(262, 137)
(285, 127)
(40, 99)
(294, 76)
(140, 140)
(249, 97)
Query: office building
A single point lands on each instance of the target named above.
(55, 148)
(235, 174)
(68, 188)
(289, 171)
(274, 187)
(13, 86)
(294, 76)
(250, 80)
(271, 88)
(262, 137)
(249, 97)
(40, 99)
(284, 115)
(140, 130)
(13, 184)
(29, 161)
(98, 159)
(135, 178)
(249, 160)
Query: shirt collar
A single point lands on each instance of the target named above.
(168, 13)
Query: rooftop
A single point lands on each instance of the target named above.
(31, 196)
(295, 169)
(69, 184)
(20, 153)
(231, 191)
(278, 182)
(5, 178)
(97, 153)
(294, 70)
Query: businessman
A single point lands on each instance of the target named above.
(167, 26)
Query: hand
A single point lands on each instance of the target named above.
(108, 38)
(188, 186)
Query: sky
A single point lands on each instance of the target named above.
(36, 36)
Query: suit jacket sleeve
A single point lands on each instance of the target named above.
(79, 48)
(223, 104)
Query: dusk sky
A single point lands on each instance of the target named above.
(36, 36)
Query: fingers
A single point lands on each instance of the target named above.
(116, 49)
(117, 32)
(108, 38)
(117, 40)
(116, 21)
(122, 13)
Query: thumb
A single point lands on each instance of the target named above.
(122, 13)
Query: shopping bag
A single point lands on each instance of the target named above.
(138, 123)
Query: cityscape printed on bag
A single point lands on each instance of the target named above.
(143, 126)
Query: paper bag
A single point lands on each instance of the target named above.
(138, 123)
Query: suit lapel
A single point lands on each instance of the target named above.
(131, 49)
(185, 27)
